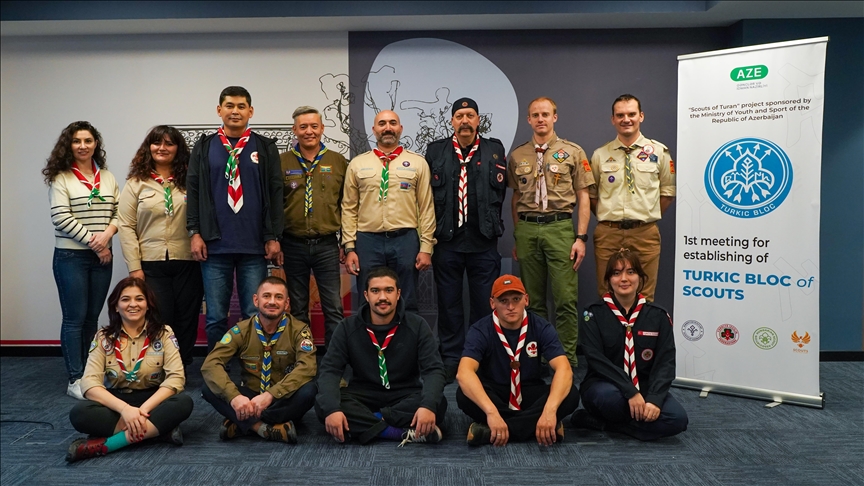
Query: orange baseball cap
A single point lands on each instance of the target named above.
(507, 283)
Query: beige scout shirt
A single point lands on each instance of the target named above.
(293, 360)
(654, 174)
(566, 170)
(162, 365)
(146, 231)
(327, 182)
(409, 201)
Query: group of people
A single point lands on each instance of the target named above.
(188, 221)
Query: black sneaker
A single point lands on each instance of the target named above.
(479, 434)
(410, 436)
(281, 432)
(174, 437)
(85, 449)
(229, 430)
(582, 419)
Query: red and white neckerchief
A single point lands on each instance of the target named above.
(382, 362)
(385, 171)
(130, 375)
(515, 379)
(232, 169)
(629, 351)
(540, 195)
(463, 177)
(93, 188)
(166, 191)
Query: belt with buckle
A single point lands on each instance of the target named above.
(311, 241)
(625, 224)
(545, 219)
(396, 233)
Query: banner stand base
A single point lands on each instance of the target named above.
(775, 397)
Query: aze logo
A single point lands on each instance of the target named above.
(748, 73)
(800, 341)
(748, 177)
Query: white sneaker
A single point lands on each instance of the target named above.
(74, 390)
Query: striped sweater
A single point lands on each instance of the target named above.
(74, 222)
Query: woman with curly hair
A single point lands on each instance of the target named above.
(133, 378)
(153, 234)
(83, 198)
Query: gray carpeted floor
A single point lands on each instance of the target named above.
(730, 441)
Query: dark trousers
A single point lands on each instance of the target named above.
(397, 409)
(280, 411)
(321, 257)
(179, 289)
(450, 266)
(97, 420)
(398, 253)
(605, 400)
(521, 424)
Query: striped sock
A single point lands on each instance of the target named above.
(116, 441)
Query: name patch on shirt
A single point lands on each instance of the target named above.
(294, 172)
(281, 352)
(648, 333)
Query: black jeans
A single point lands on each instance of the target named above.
(93, 418)
(179, 290)
(280, 411)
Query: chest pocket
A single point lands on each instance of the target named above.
(647, 174)
(525, 177)
(560, 177)
(405, 179)
(439, 191)
(148, 202)
(498, 177)
(293, 182)
(367, 181)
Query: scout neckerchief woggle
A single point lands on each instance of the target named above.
(463, 177)
(515, 378)
(169, 199)
(307, 170)
(629, 352)
(130, 375)
(385, 172)
(97, 180)
(382, 362)
(628, 168)
(540, 190)
(268, 345)
(232, 169)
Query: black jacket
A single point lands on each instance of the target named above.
(601, 338)
(490, 190)
(412, 354)
(200, 213)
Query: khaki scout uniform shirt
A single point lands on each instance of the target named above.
(293, 360)
(146, 231)
(409, 201)
(654, 176)
(327, 180)
(162, 366)
(566, 170)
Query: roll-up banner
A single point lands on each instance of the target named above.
(747, 255)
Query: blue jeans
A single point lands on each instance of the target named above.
(397, 252)
(83, 284)
(218, 273)
(321, 257)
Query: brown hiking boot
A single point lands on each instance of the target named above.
(281, 432)
(229, 430)
(85, 449)
(479, 434)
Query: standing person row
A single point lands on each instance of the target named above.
(153, 235)
(83, 199)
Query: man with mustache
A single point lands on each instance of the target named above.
(278, 358)
(313, 176)
(234, 209)
(390, 351)
(634, 185)
(468, 184)
(388, 217)
(550, 177)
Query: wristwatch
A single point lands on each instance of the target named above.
(349, 250)
(193, 233)
(582, 237)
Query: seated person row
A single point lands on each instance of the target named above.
(633, 399)
(138, 358)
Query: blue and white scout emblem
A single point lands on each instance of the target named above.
(611, 179)
(157, 345)
(406, 163)
(653, 157)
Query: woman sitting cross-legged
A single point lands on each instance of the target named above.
(138, 358)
